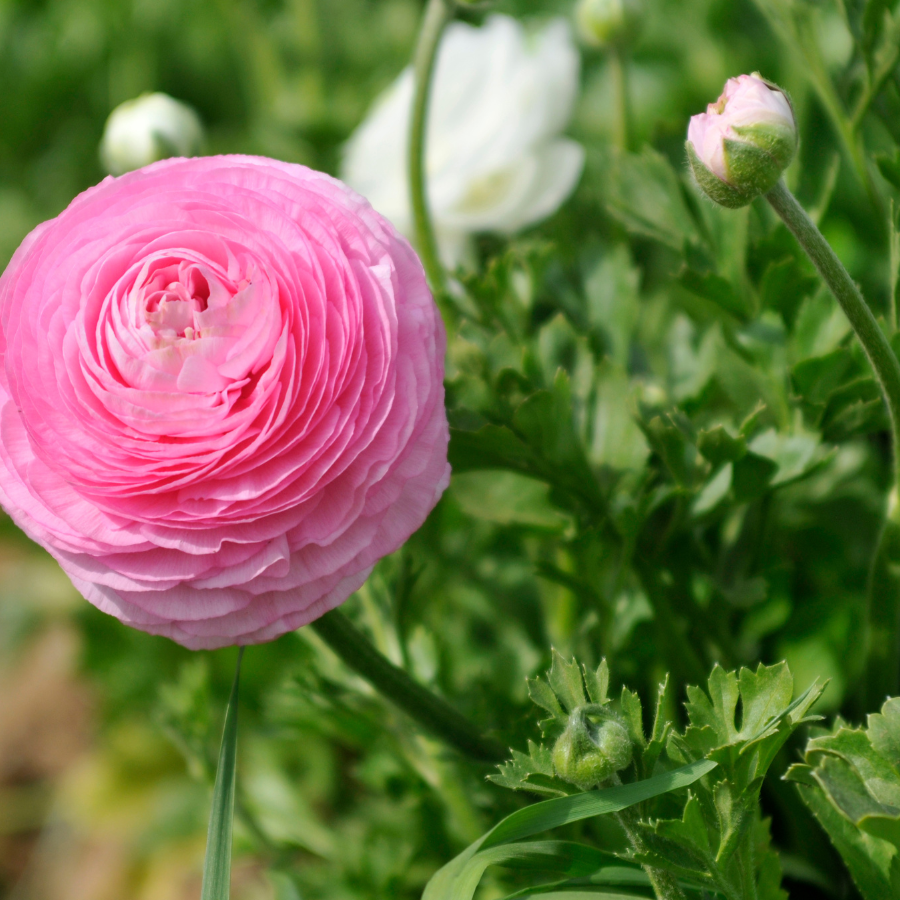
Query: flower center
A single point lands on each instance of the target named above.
(174, 297)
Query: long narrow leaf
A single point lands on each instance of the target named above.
(598, 893)
(564, 857)
(561, 810)
(605, 877)
(459, 878)
(217, 866)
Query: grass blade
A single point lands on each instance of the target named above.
(217, 865)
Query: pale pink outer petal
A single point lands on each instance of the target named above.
(237, 475)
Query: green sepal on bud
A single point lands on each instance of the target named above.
(715, 188)
(587, 753)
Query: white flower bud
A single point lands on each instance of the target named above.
(146, 129)
(743, 142)
(606, 23)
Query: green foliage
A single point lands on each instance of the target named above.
(719, 839)
(850, 779)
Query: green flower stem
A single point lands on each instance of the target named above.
(429, 710)
(437, 15)
(883, 612)
(876, 345)
(217, 865)
(618, 67)
(664, 884)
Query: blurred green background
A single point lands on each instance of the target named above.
(107, 734)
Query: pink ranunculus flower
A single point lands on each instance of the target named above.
(743, 141)
(221, 395)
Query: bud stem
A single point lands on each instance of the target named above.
(883, 620)
(430, 711)
(665, 884)
(437, 15)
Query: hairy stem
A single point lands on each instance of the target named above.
(665, 885)
(437, 14)
(429, 710)
(883, 611)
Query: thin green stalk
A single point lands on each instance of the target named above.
(429, 710)
(883, 609)
(217, 865)
(875, 344)
(437, 14)
(622, 123)
(665, 884)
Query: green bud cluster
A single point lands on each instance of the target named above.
(588, 752)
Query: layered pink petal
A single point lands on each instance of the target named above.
(221, 395)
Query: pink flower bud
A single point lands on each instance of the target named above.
(743, 142)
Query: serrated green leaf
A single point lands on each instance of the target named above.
(532, 771)
(853, 747)
(659, 717)
(660, 731)
(716, 711)
(734, 818)
(869, 860)
(565, 679)
(689, 832)
(542, 694)
(884, 731)
(765, 694)
(633, 714)
(217, 865)
(597, 683)
(695, 743)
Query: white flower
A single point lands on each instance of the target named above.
(495, 160)
(150, 127)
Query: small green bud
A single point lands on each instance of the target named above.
(740, 146)
(588, 753)
(608, 23)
